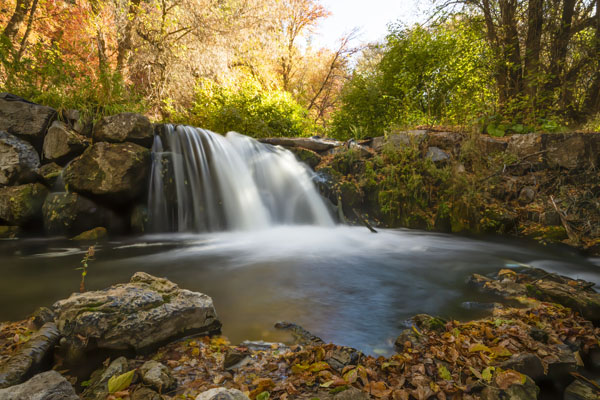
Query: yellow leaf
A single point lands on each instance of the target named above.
(444, 373)
(486, 374)
(121, 382)
(479, 347)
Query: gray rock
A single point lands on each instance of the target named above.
(35, 355)
(528, 145)
(18, 160)
(62, 143)
(315, 144)
(526, 391)
(400, 139)
(116, 173)
(570, 150)
(50, 173)
(125, 127)
(157, 376)
(526, 363)
(24, 119)
(41, 316)
(351, 393)
(45, 386)
(222, 394)
(22, 204)
(98, 388)
(437, 155)
(527, 195)
(490, 145)
(144, 393)
(70, 214)
(579, 390)
(140, 315)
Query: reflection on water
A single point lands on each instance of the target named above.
(343, 284)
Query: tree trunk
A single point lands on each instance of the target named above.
(510, 48)
(535, 20)
(592, 100)
(23, 45)
(13, 25)
(124, 43)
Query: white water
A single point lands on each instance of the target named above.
(202, 181)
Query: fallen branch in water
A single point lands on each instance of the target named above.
(364, 221)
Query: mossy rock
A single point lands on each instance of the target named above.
(9, 232)
(98, 233)
(309, 157)
(20, 205)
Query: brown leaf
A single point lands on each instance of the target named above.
(509, 377)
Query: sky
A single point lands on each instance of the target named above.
(371, 16)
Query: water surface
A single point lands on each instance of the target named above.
(343, 284)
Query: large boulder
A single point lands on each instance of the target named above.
(140, 315)
(24, 119)
(62, 143)
(125, 127)
(18, 160)
(45, 386)
(117, 173)
(316, 144)
(571, 150)
(20, 205)
(400, 139)
(32, 358)
(529, 147)
(71, 214)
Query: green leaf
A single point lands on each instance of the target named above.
(121, 382)
(444, 373)
(486, 374)
(263, 396)
(496, 130)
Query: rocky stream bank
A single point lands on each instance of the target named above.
(150, 339)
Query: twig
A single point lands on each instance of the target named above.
(519, 161)
(564, 222)
(586, 380)
(364, 221)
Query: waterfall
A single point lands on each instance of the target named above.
(201, 181)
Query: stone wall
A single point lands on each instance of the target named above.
(62, 174)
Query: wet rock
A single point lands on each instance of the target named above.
(351, 393)
(116, 173)
(71, 214)
(222, 394)
(45, 386)
(140, 315)
(9, 232)
(157, 376)
(22, 204)
(125, 127)
(26, 120)
(342, 356)
(49, 173)
(306, 156)
(429, 323)
(34, 356)
(561, 366)
(579, 390)
(551, 218)
(18, 160)
(533, 282)
(98, 233)
(301, 335)
(437, 155)
(144, 393)
(139, 219)
(98, 388)
(528, 364)
(62, 143)
(527, 195)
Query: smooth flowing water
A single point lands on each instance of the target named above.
(344, 284)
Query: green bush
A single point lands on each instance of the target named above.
(439, 75)
(247, 109)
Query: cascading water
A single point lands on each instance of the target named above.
(202, 181)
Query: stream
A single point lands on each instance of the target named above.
(343, 284)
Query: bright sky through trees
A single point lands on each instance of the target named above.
(372, 17)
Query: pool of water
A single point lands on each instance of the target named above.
(344, 284)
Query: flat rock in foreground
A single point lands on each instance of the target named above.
(46, 386)
(142, 314)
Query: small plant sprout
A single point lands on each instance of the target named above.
(89, 256)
